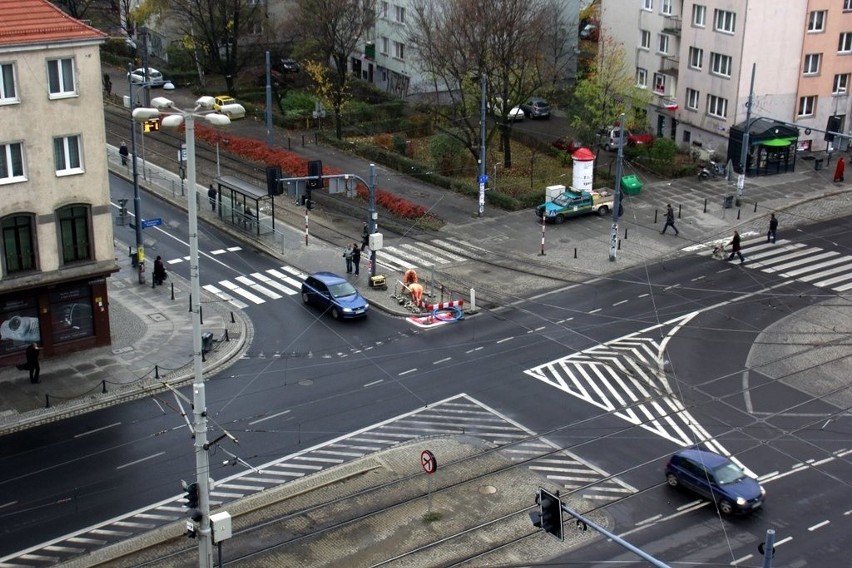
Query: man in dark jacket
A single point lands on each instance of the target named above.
(735, 248)
(32, 362)
(773, 229)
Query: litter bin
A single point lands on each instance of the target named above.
(818, 163)
(206, 342)
(729, 201)
(631, 185)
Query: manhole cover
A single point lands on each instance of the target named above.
(487, 489)
(158, 317)
(306, 382)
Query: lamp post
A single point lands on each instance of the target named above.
(174, 118)
(137, 204)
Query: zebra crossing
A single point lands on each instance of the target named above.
(798, 261)
(274, 284)
(460, 414)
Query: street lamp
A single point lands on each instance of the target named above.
(173, 118)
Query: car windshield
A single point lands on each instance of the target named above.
(564, 199)
(342, 290)
(728, 473)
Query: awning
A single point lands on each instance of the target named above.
(777, 142)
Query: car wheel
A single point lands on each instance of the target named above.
(725, 507)
(305, 298)
(672, 480)
(559, 219)
(335, 313)
(603, 210)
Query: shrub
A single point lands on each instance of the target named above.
(400, 145)
(446, 151)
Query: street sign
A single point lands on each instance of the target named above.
(182, 153)
(428, 461)
(483, 179)
(151, 222)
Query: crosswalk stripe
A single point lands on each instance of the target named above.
(824, 273)
(421, 248)
(393, 262)
(842, 288)
(457, 247)
(817, 266)
(277, 285)
(295, 272)
(407, 256)
(798, 262)
(223, 296)
(258, 288)
(285, 278)
(244, 293)
(835, 280)
(467, 245)
(769, 254)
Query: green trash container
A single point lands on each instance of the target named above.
(631, 185)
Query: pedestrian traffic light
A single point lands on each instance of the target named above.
(314, 174)
(550, 509)
(191, 497)
(273, 177)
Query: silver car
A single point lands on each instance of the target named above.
(155, 78)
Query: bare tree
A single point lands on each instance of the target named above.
(332, 30)
(513, 42)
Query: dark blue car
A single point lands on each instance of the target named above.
(716, 478)
(334, 294)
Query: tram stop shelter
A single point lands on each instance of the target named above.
(772, 146)
(244, 205)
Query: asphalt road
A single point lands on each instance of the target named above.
(546, 364)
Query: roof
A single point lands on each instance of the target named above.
(28, 22)
(705, 457)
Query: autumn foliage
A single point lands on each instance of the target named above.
(257, 151)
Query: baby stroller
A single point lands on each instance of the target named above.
(719, 251)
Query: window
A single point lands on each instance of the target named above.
(642, 78)
(666, 7)
(816, 21)
(845, 43)
(66, 155)
(383, 9)
(812, 61)
(645, 39)
(11, 163)
(399, 14)
(725, 21)
(18, 247)
(659, 83)
(60, 78)
(807, 106)
(663, 44)
(385, 46)
(720, 64)
(841, 84)
(8, 94)
(256, 28)
(699, 15)
(692, 99)
(399, 50)
(648, 5)
(74, 233)
(696, 57)
(847, 5)
(717, 106)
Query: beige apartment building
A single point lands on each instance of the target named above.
(54, 195)
(697, 58)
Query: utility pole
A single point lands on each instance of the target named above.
(371, 187)
(483, 86)
(744, 149)
(268, 103)
(616, 204)
(137, 202)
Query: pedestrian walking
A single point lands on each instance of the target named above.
(773, 229)
(159, 271)
(365, 236)
(123, 152)
(212, 194)
(356, 258)
(107, 84)
(669, 220)
(838, 171)
(32, 362)
(735, 248)
(347, 256)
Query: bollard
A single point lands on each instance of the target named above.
(679, 208)
(755, 206)
(153, 282)
(156, 371)
(173, 290)
(738, 213)
(575, 252)
(232, 318)
(625, 233)
(705, 205)
(103, 387)
(203, 356)
(316, 138)
(472, 300)
(227, 338)
(655, 216)
(619, 244)
(190, 302)
(46, 400)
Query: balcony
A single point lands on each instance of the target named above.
(670, 65)
(672, 25)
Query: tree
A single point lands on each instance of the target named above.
(606, 90)
(332, 29)
(512, 42)
(214, 30)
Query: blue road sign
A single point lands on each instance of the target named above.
(483, 179)
(151, 222)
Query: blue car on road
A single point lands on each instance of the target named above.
(334, 294)
(715, 478)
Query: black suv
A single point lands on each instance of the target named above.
(536, 107)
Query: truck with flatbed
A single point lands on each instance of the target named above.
(572, 203)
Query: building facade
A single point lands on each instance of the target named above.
(698, 56)
(55, 209)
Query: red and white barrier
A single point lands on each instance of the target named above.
(441, 306)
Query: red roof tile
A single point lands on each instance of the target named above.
(27, 22)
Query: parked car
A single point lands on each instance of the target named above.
(717, 478)
(155, 78)
(516, 114)
(567, 143)
(590, 32)
(334, 294)
(229, 106)
(287, 65)
(496, 108)
(536, 107)
(608, 138)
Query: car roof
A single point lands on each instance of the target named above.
(328, 277)
(710, 459)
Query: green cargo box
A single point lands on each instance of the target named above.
(631, 185)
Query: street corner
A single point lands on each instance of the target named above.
(437, 315)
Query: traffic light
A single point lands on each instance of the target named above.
(307, 202)
(315, 174)
(191, 497)
(550, 510)
(273, 177)
(151, 125)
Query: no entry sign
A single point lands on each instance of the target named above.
(428, 461)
